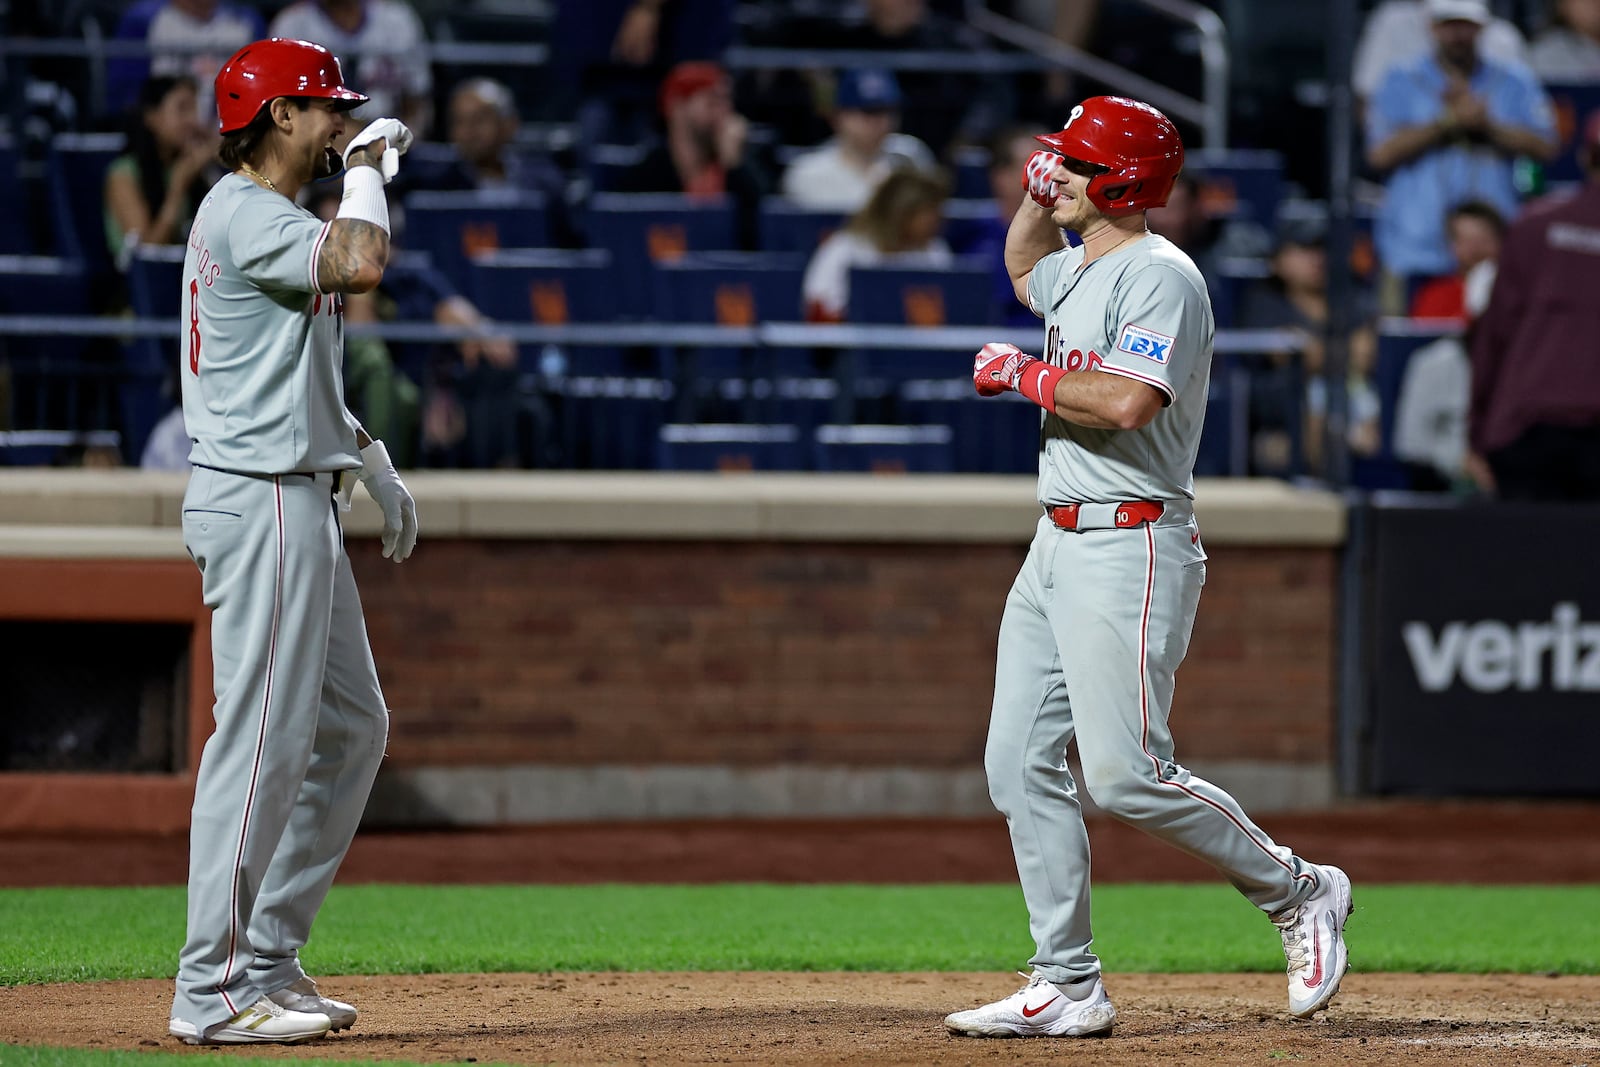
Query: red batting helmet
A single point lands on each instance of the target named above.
(260, 72)
(1137, 145)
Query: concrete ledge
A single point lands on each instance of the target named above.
(531, 794)
(91, 542)
(648, 506)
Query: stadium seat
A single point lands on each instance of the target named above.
(15, 237)
(155, 288)
(957, 296)
(729, 447)
(967, 221)
(1239, 183)
(54, 384)
(1574, 103)
(609, 423)
(884, 449)
(76, 174)
(970, 165)
(1225, 437)
(989, 435)
(554, 287)
(785, 227)
(641, 230)
(607, 164)
(454, 227)
(730, 288)
(1397, 341)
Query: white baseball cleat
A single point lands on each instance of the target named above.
(263, 1022)
(1039, 1009)
(1313, 942)
(303, 997)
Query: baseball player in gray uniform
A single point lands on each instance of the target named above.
(1100, 615)
(300, 718)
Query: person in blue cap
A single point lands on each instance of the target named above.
(841, 173)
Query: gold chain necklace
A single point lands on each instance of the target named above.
(246, 168)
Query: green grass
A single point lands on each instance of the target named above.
(52, 935)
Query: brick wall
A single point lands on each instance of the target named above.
(747, 653)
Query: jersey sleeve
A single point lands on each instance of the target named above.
(275, 244)
(1160, 328)
(1042, 282)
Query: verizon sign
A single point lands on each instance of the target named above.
(1479, 668)
(1562, 654)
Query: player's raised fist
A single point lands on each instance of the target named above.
(396, 138)
(1036, 177)
(998, 367)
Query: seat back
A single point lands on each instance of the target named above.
(75, 172)
(455, 227)
(879, 449)
(730, 447)
(643, 230)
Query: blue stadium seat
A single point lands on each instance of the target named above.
(1227, 285)
(553, 287)
(989, 435)
(54, 384)
(1397, 341)
(729, 447)
(785, 227)
(1239, 183)
(1225, 436)
(155, 289)
(642, 230)
(454, 227)
(970, 165)
(15, 238)
(608, 164)
(884, 449)
(76, 174)
(730, 288)
(957, 296)
(1574, 103)
(967, 221)
(610, 423)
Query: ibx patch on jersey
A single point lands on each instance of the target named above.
(1138, 341)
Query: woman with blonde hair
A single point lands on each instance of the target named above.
(899, 225)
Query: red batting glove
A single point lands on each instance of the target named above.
(999, 367)
(1036, 178)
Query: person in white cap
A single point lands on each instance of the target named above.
(1398, 31)
(1445, 128)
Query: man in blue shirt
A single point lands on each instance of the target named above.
(1446, 128)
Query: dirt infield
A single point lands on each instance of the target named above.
(869, 1018)
(876, 1018)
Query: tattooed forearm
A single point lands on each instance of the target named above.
(353, 257)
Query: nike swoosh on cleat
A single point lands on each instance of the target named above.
(1028, 1013)
(1315, 978)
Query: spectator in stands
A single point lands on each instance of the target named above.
(1569, 50)
(1184, 222)
(943, 106)
(1295, 298)
(703, 150)
(899, 225)
(1446, 128)
(153, 189)
(383, 48)
(190, 37)
(1475, 229)
(482, 129)
(1398, 32)
(1535, 414)
(841, 174)
(1430, 421)
(608, 58)
(1008, 155)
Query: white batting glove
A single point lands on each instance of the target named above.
(395, 133)
(399, 509)
(1036, 177)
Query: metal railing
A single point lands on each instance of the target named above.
(1210, 112)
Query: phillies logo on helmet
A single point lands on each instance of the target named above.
(1077, 113)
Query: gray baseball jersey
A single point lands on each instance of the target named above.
(263, 388)
(1141, 312)
(1099, 617)
(300, 718)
